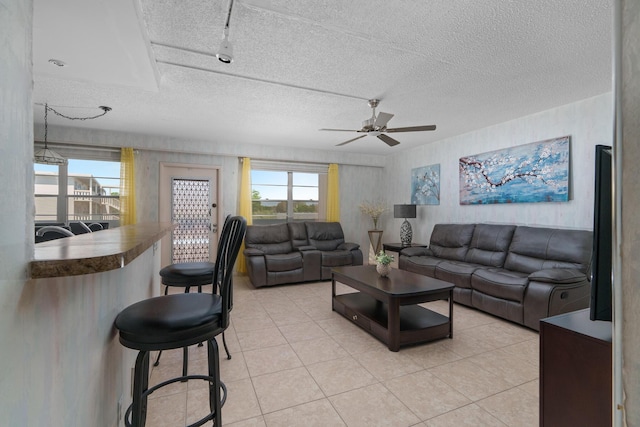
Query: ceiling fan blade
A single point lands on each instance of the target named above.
(412, 129)
(382, 119)
(351, 140)
(388, 140)
(342, 130)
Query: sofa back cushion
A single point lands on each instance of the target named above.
(298, 234)
(534, 249)
(489, 244)
(325, 236)
(271, 239)
(451, 241)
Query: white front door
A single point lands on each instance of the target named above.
(188, 197)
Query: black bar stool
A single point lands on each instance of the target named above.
(185, 275)
(180, 320)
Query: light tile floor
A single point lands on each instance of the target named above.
(295, 362)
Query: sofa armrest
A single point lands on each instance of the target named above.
(306, 248)
(560, 276)
(416, 251)
(348, 246)
(253, 252)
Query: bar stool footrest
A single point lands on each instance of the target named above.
(183, 378)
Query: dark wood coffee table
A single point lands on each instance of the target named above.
(387, 307)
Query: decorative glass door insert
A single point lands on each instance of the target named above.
(191, 212)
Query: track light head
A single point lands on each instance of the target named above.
(225, 52)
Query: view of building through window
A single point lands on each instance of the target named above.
(282, 196)
(91, 193)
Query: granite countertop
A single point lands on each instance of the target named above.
(96, 252)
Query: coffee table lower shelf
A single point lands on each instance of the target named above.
(417, 324)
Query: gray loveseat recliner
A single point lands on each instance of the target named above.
(296, 252)
(519, 273)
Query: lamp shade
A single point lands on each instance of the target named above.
(404, 211)
(48, 157)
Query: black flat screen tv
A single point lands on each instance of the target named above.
(601, 264)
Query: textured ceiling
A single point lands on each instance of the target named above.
(304, 65)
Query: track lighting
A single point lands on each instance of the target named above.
(225, 52)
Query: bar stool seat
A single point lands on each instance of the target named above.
(185, 275)
(188, 274)
(160, 323)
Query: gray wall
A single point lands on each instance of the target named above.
(630, 228)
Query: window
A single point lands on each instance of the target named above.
(91, 193)
(293, 193)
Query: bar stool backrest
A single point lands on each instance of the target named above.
(231, 238)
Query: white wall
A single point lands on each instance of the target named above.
(16, 209)
(588, 122)
(73, 367)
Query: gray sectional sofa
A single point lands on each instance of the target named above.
(296, 252)
(522, 274)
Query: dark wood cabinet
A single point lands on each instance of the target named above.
(575, 371)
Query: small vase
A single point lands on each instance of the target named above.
(383, 269)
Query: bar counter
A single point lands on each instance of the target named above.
(95, 252)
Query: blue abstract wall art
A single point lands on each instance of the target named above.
(535, 172)
(425, 185)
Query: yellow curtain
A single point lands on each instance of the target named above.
(245, 205)
(127, 187)
(333, 194)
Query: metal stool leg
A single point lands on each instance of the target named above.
(140, 385)
(185, 361)
(226, 349)
(215, 403)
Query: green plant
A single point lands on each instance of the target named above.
(384, 258)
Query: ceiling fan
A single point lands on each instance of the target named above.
(377, 126)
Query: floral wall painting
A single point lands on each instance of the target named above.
(535, 172)
(425, 185)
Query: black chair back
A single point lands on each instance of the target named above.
(51, 232)
(231, 238)
(79, 227)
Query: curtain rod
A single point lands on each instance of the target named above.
(81, 146)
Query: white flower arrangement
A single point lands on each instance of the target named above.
(374, 210)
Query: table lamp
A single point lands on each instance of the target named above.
(405, 211)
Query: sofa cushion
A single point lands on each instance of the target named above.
(534, 249)
(283, 262)
(271, 239)
(489, 244)
(325, 236)
(500, 283)
(336, 258)
(451, 241)
(456, 272)
(298, 234)
(425, 265)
